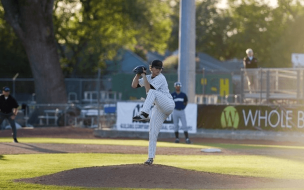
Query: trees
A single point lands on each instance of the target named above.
(12, 54)
(273, 33)
(212, 25)
(87, 32)
(291, 39)
(91, 31)
(32, 22)
(253, 24)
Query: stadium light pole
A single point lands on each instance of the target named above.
(186, 50)
(98, 98)
(14, 79)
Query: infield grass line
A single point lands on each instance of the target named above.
(144, 143)
(119, 142)
(252, 146)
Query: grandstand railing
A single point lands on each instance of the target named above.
(272, 85)
(267, 86)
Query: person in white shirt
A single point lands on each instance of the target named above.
(158, 94)
(250, 62)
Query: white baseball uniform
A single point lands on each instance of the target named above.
(164, 106)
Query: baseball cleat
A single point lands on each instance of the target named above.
(149, 161)
(141, 117)
(188, 141)
(176, 140)
(15, 140)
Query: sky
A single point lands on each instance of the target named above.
(223, 3)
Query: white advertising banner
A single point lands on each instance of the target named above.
(127, 110)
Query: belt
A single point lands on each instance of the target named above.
(179, 109)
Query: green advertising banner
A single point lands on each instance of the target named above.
(275, 118)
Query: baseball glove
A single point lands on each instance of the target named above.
(139, 69)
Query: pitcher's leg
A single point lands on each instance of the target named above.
(149, 101)
(165, 103)
(156, 123)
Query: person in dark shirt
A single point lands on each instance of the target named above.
(181, 101)
(250, 62)
(8, 110)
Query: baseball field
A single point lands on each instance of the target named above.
(71, 158)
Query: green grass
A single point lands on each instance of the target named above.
(119, 142)
(33, 165)
(252, 146)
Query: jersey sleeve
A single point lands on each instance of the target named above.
(15, 104)
(141, 82)
(186, 98)
(157, 82)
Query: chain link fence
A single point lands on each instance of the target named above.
(85, 109)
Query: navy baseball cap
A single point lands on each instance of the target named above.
(157, 64)
(6, 89)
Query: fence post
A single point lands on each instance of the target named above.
(98, 98)
(242, 86)
(261, 84)
(302, 84)
(267, 86)
(277, 80)
(204, 81)
(14, 79)
(298, 86)
(80, 90)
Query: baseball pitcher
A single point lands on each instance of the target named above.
(158, 95)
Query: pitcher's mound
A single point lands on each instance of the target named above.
(155, 176)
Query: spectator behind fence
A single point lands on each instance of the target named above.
(8, 110)
(250, 62)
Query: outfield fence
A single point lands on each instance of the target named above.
(263, 86)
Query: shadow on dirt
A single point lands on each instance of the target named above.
(35, 148)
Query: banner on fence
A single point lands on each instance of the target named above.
(275, 118)
(127, 110)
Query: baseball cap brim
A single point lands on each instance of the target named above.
(158, 67)
(6, 89)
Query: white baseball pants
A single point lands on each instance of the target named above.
(164, 106)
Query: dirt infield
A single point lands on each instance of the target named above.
(41, 148)
(32, 148)
(155, 176)
(87, 133)
(83, 133)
